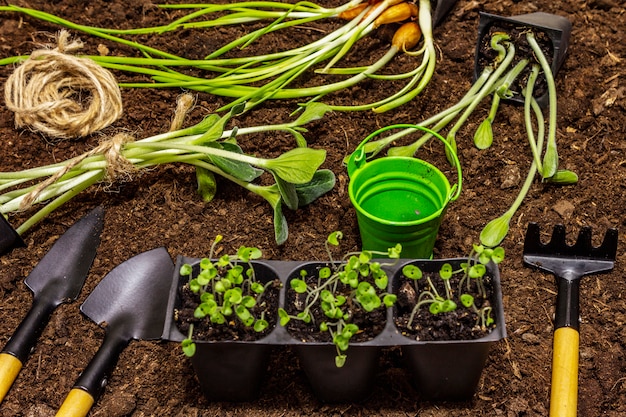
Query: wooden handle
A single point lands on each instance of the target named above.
(564, 394)
(10, 367)
(76, 404)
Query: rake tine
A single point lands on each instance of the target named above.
(557, 242)
(583, 243)
(608, 248)
(532, 242)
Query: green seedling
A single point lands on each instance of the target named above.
(228, 290)
(354, 282)
(207, 146)
(471, 271)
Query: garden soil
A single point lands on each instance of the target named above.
(160, 207)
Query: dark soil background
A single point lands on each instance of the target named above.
(161, 208)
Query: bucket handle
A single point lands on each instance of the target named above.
(358, 158)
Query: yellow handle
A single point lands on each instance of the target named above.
(10, 366)
(564, 395)
(76, 404)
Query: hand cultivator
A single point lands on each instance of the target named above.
(568, 264)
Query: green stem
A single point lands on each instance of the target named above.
(551, 156)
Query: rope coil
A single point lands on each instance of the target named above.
(62, 95)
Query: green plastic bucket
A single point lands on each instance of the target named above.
(400, 199)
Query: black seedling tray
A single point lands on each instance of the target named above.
(443, 370)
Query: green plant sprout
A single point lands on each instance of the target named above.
(228, 290)
(355, 282)
(472, 271)
(256, 78)
(495, 80)
(206, 146)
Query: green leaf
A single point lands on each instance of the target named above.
(233, 295)
(260, 325)
(215, 131)
(436, 307)
(446, 271)
(389, 300)
(340, 360)
(477, 271)
(498, 255)
(350, 330)
(495, 231)
(207, 186)
(312, 111)
(194, 286)
(243, 314)
(287, 192)
(298, 285)
(324, 272)
(257, 288)
(298, 165)
(412, 272)
(322, 182)
(185, 270)
(218, 318)
(483, 137)
(381, 281)
(467, 300)
(394, 253)
(284, 317)
(334, 238)
(237, 169)
(327, 297)
(208, 127)
(189, 347)
(550, 162)
(563, 177)
(246, 253)
(341, 342)
(203, 278)
(304, 316)
(281, 229)
(447, 306)
(199, 312)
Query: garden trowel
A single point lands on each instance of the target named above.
(57, 278)
(9, 238)
(568, 264)
(130, 303)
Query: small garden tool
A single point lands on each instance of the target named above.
(58, 278)
(130, 302)
(568, 264)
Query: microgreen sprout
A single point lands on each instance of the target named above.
(228, 289)
(188, 345)
(356, 283)
(448, 300)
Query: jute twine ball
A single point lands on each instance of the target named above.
(62, 95)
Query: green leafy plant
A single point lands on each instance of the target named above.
(227, 289)
(207, 146)
(449, 299)
(255, 78)
(356, 284)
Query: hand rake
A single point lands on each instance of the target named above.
(568, 264)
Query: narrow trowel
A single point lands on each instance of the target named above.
(57, 279)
